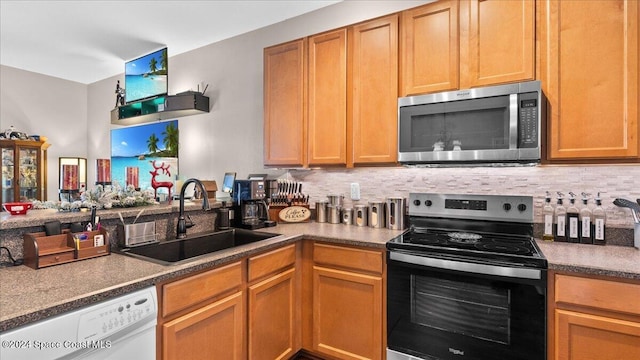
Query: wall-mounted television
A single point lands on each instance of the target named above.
(146, 76)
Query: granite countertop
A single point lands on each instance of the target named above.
(28, 295)
(614, 261)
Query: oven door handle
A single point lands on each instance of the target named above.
(504, 271)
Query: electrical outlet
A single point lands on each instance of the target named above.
(355, 191)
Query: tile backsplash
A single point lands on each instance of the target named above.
(377, 183)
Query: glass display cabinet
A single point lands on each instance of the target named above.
(24, 170)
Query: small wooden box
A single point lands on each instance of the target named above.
(42, 251)
(211, 187)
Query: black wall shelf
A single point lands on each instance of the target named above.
(160, 108)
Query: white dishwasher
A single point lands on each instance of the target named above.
(119, 328)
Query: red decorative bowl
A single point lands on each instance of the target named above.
(17, 208)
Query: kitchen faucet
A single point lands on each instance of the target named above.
(182, 222)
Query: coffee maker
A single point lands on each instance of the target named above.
(249, 202)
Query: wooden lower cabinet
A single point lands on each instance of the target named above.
(593, 318)
(347, 314)
(214, 331)
(203, 316)
(325, 299)
(274, 304)
(345, 318)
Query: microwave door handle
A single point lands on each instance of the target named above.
(513, 121)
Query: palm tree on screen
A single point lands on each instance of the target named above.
(152, 143)
(171, 139)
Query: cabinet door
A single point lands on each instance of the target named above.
(8, 175)
(582, 336)
(347, 314)
(273, 323)
(373, 127)
(285, 84)
(328, 98)
(214, 331)
(496, 42)
(589, 71)
(429, 48)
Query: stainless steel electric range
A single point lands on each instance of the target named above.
(466, 281)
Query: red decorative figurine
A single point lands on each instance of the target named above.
(160, 184)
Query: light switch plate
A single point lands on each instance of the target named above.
(355, 191)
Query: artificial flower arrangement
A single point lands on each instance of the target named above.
(102, 197)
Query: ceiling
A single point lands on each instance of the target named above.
(87, 41)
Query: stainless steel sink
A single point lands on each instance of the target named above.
(182, 250)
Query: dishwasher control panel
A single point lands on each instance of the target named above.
(116, 315)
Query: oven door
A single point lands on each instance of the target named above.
(449, 309)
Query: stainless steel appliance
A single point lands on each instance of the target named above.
(248, 190)
(466, 281)
(491, 124)
(119, 328)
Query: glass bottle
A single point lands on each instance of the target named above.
(573, 217)
(599, 223)
(561, 220)
(586, 216)
(547, 213)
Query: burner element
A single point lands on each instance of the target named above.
(515, 247)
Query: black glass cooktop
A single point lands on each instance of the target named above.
(471, 243)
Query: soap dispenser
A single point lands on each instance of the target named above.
(586, 216)
(561, 220)
(573, 216)
(547, 213)
(599, 222)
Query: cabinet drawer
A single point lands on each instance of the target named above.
(54, 259)
(347, 257)
(596, 293)
(272, 262)
(181, 294)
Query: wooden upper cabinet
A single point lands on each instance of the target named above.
(285, 85)
(372, 125)
(328, 98)
(429, 48)
(589, 71)
(497, 43)
(451, 44)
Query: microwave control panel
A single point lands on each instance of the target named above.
(528, 120)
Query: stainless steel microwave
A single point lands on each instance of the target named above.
(496, 124)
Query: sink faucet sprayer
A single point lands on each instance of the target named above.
(182, 222)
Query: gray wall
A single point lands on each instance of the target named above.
(43, 105)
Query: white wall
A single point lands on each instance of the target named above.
(43, 105)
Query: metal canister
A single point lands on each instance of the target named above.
(376, 214)
(335, 199)
(360, 215)
(321, 211)
(347, 216)
(333, 214)
(395, 212)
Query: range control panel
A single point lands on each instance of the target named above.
(509, 208)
